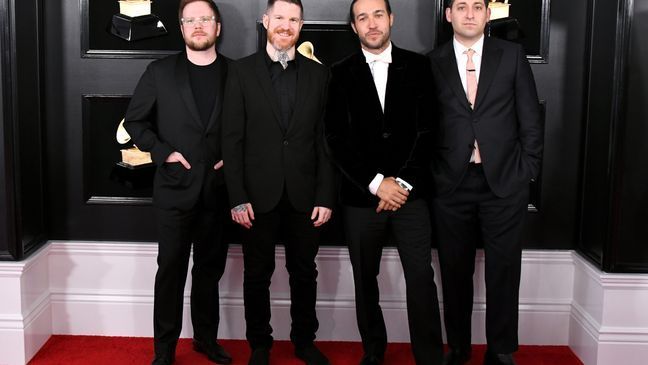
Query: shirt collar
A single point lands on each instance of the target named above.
(459, 48)
(384, 56)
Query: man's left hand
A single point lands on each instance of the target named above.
(321, 215)
(218, 165)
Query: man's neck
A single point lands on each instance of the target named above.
(202, 58)
(468, 42)
(272, 52)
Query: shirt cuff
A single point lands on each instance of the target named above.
(375, 183)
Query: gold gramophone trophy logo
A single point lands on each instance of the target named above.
(499, 10)
(135, 21)
(131, 157)
(307, 49)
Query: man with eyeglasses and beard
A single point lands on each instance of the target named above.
(175, 114)
(280, 182)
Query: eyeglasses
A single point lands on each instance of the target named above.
(203, 21)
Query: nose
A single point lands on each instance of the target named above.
(470, 14)
(372, 22)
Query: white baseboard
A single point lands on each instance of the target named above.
(25, 317)
(100, 288)
(609, 322)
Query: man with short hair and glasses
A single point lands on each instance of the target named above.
(175, 114)
(280, 182)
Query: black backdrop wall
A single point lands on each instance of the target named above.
(72, 76)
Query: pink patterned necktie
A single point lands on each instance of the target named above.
(471, 91)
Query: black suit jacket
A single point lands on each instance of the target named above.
(505, 121)
(261, 158)
(365, 141)
(162, 117)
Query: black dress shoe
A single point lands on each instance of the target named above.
(371, 360)
(213, 350)
(498, 359)
(260, 356)
(162, 360)
(456, 357)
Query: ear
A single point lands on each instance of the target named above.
(266, 21)
(354, 28)
(218, 29)
(488, 13)
(391, 20)
(301, 24)
(448, 13)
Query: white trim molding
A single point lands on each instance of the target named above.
(25, 313)
(106, 289)
(609, 322)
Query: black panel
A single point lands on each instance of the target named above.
(21, 169)
(98, 42)
(630, 254)
(106, 182)
(599, 107)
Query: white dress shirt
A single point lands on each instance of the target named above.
(462, 58)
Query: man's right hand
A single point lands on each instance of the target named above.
(178, 157)
(243, 215)
(392, 193)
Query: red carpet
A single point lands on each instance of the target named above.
(84, 350)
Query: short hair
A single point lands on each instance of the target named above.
(212, 5)
(271, 3)
(352, 15)
(449, 3)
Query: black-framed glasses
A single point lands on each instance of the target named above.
(202, 20)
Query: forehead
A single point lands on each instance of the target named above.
(285, 9)
(468, 2)
(368, 6)
(197, 8)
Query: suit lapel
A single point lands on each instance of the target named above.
(184, 87)
(221, 70)
(263, 75)
(303, 81)
(490, 61)
(450, 71)
(362, 72)
(395, 78)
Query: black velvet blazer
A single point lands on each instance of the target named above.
(363, 140)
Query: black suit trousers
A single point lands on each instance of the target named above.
(367, 232)
(301, 240)
(177, 231)
(472, 212)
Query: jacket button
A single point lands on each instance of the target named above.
(285, 142)
(475, 120)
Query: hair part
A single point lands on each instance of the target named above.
(352, 14)
(212, 5)
(271, 4)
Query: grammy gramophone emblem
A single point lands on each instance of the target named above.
(131, 157)
(307, 49)
(135, 21)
